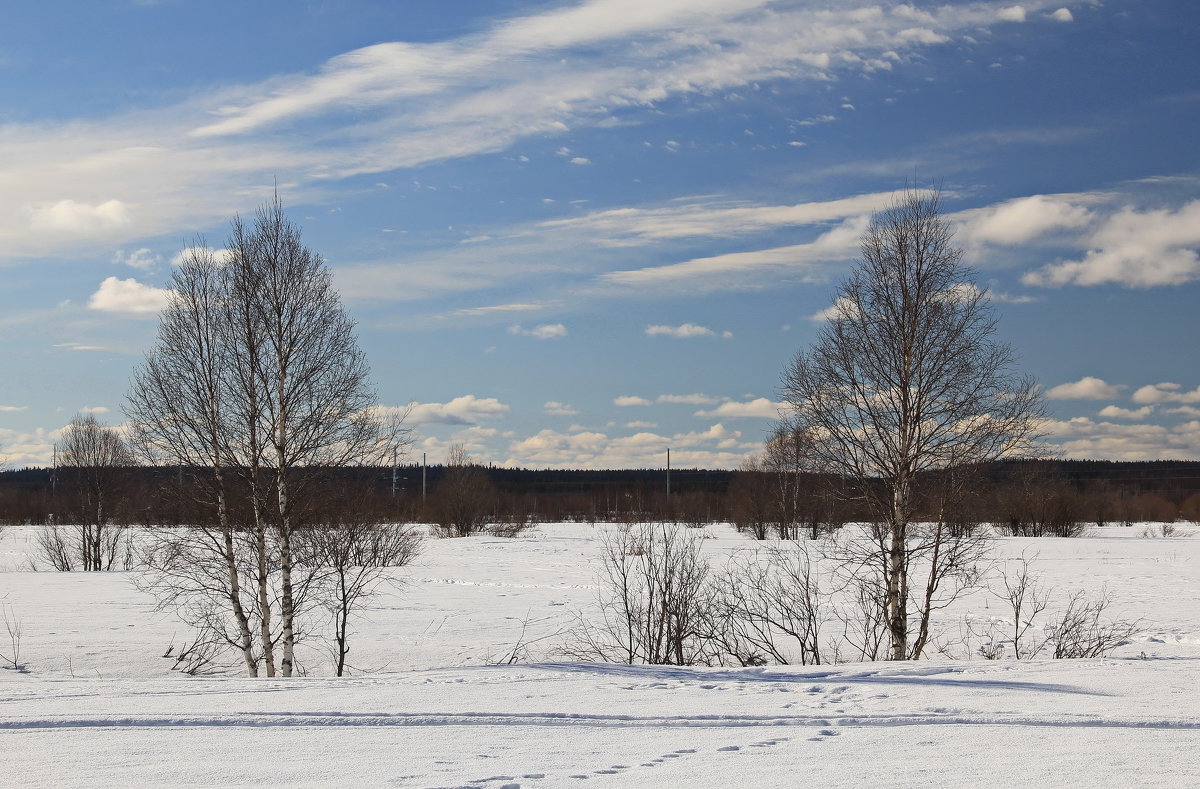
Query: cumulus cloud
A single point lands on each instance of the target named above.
(128, 297)
(625, 401)
(464, 410)
(1139, 249)
(142, 259)
(758, 408)
(685, 331)
(1117, 412)
(1085, 438)
(1086, 388)
(580, 160)
(547, 331)
(559, 409)
(1013, 13)
(1062, 15)
(716, 447)
(1166, 392)
(27, 449)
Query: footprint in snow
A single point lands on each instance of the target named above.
(730, 748)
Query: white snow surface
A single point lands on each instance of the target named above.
(98, 705)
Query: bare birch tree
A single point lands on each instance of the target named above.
(258, 375)
(907, 378)
(178, 411)
(95, 458)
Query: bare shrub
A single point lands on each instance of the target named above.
(1164, 530)
(766, 607)
(352, 554)
(54, 547)
(651, 599)
(751, 504)
(463, 501)
(1082, 630)
(15, 631)
(1085, 631)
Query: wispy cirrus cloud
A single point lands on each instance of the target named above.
(398, 104)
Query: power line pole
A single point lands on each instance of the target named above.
(668, 472)
(422, 477)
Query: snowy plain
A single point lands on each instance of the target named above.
(433, 704)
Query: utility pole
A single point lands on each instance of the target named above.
(422, 477)
(668, 472)
(393, 472)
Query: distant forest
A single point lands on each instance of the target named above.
(1047, 491)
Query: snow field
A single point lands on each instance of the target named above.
(99, 706)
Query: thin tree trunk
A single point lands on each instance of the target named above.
(235, 586)
(287, 603)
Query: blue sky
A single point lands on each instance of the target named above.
(574, 233)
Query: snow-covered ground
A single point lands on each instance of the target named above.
(100, 706)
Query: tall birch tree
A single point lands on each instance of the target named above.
(907, 378)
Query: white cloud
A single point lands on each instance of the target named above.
(685, 331)
(1087, 439)
(7, 408)
(78, 346)
(142, 259)
(758, 408)
(128, 297)
(73, 217)
(716, 447)
(547, 331)
(221, 256)
(842, 307)
(1086, 388)
(686, 399)
(630, 400)
(27, 449)
(1024, 219)
(93, 409)
(1062, 15)
(707, 217)
(1135, 249)
(1117, 412)
(1166, 393)
(732, 269)
(464, 410)
(638, 424)
(559, 409)
(580, 160)
(399, 104)
(1013, 13)
(499, 308)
